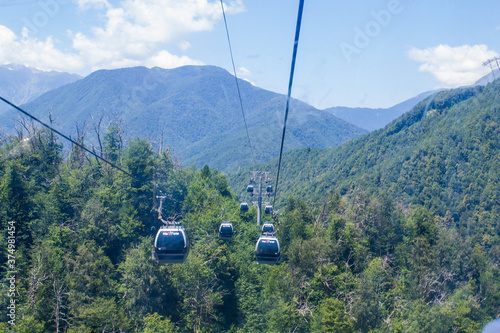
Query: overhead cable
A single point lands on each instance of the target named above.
(236, 79)
(294, 56)
(65, 137)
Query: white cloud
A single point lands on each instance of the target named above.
(242, 71)
(98, 4)
(32, 52)
(235, 7)
(251, 82)
(6, 36)
(454, 66)
(134, 32)
(166, 60)
(184, 45)
(137, 31)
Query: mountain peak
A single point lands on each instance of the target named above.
(196, 109)
(21, 84)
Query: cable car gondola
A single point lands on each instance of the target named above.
(250, 189)
(267, 228)
(226, 230)
(269, 189)
(268, 210)
(171, 245)
(267, 250)
(243, 207)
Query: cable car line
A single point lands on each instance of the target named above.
(292, 69)
(65, 137)
(236, 80)
(267, 248)
(171, 244)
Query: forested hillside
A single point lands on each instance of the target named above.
(442, 158)
(353, 261)
(443, 154)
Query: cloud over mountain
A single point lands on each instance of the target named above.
(453, 66)
(131, 33)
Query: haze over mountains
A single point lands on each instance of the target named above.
(21, 84)
(490, 77)
(372, 119)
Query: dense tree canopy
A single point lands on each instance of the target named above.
(414, 251)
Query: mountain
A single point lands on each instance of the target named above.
(372, 119)
(428, 181)
(490, 77)
(408, 242)
(21, 84)
(195, 109)
(443, 154)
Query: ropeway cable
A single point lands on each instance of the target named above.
(65, 137)
(294, 56)
(236, 80)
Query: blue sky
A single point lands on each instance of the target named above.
(354, 53)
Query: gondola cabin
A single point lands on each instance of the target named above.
(171, 245)
(244, 207)
(267, 250)
(267, 228)
(269, 189)
(268, 209)
(226, 230)
(250, 189)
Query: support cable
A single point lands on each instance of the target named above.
(294, 56)
(65, 137)
(236, 80)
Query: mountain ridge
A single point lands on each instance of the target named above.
(375, 118)
(21, 84)
(445, 143)
(185, 106)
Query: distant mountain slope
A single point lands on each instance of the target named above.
(373, 119)
(21, 84)
(490, 77)
(443, 154)
(197, 110)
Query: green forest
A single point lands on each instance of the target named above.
(396, 231)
